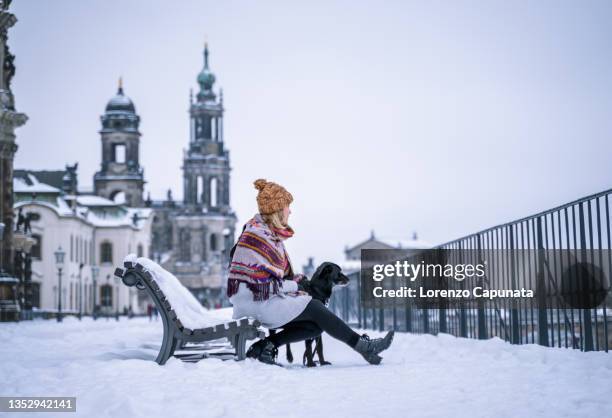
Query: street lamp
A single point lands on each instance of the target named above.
(59, 263)
(94, 275)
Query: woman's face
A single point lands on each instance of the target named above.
(286, 213)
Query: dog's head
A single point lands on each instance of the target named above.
(325, 278)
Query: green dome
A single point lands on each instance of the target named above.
(206, 79)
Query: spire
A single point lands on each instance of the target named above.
(206, 79)
(206, 55)
(120, 85)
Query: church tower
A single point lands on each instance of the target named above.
(192, 239)
(206, 163)
(120, 178)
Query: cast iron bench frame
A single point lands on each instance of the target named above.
(176, 335)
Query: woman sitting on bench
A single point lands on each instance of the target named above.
(262, 285)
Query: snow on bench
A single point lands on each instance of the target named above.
(184, 319)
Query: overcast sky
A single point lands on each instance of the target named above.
(440, 117)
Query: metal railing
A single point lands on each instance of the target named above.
(580, 225)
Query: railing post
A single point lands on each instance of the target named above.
(442, 320)
(394, 304)
(373, 313)
(408, 318)
(462, 321)
(347, 314)
(482, 323)
(514, 319)
(381, 313)
(541, 288)
(442, 309)
(359, 303)
(587, 322)
(462, 311)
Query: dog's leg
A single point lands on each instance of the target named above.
(308, 354)
(319, 350)
(289, 353)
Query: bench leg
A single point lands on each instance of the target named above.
(167, 350)
(169, 343)
(240, 344)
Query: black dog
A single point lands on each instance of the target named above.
(319, 287)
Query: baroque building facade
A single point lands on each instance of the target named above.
(192, 238)
(189, 238)
(96, 230)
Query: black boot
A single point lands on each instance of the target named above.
(264, 351)
(369, 348)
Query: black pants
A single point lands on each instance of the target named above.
(315, 319)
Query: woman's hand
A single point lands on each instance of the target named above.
(298, 277)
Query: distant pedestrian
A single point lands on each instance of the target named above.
(155, 312)
(150, 312)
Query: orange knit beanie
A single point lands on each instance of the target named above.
(272, 197)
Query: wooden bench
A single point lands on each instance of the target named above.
(176, 336)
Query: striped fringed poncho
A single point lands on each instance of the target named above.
(259, 260)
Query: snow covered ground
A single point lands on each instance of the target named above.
(109, 367)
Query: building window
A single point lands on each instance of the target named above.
(139, 251)
(185, 245)
(106, 252)
(90, 297)
(71, 248)
(35, 294)
(213, 242)
(213, 192)
(199, 189)
(119, 153)
(36, 251)
(204, 246)
(84, 299)
(106, 295)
